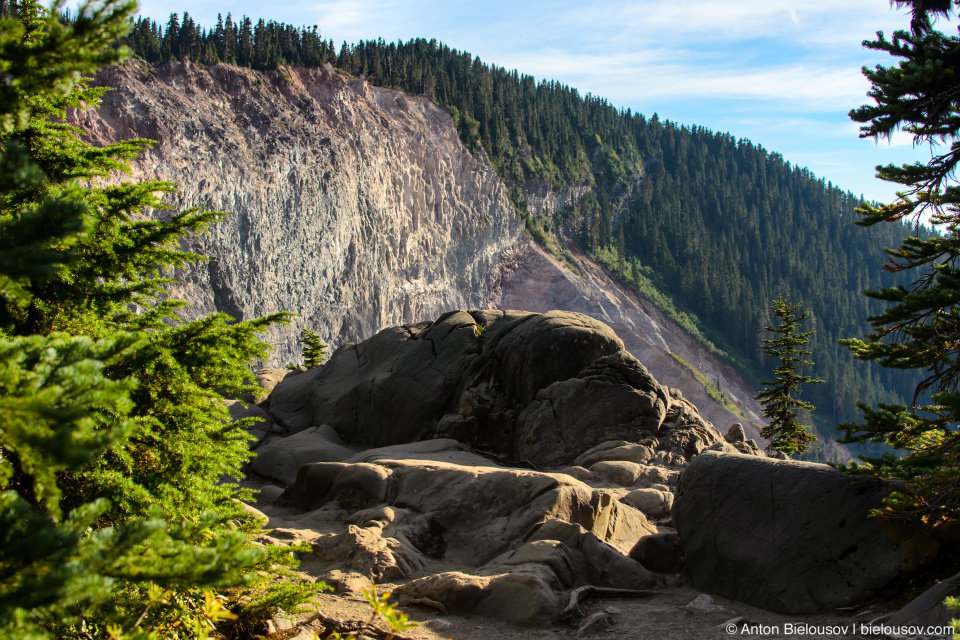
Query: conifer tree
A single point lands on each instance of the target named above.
(920, 328)
(780, 396)
(314, 349)
(113, 438)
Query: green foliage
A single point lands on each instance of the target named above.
(314, 349)
(113, 436)
(396, 620)
(264, 45)
(710, 388)
(780, 404)
(51, 389)
(954, 603)
(919, 328)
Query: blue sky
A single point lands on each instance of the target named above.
(782, 73)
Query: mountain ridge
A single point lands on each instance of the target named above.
(711, 227)
(288, 246)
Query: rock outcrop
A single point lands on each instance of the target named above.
(513, 383)
(527, 504)
(622, 459)
(378, 488)
(789, 536)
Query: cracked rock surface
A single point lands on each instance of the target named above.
(790, 536)
(539, 388)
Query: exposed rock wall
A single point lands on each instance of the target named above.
(354, 206)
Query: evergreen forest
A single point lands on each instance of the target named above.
(711, 227)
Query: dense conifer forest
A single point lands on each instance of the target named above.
(718, 225)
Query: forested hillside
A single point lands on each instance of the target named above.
(719, 225)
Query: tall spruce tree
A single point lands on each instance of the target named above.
(113, 437)
(780, 396)
(920, 329)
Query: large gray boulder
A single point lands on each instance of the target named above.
(540, 388)
(789, 536)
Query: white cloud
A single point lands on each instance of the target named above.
(793, 17)
(899, 138)
(733, 20)
(658, 74)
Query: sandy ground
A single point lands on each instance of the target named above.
(658, 617)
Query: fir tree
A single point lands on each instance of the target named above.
(314, 349)
(920, 328)
(780, 396)
(113, 438)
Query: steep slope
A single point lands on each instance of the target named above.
(532, 279)
(359, 208)
(355, 207)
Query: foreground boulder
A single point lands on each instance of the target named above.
(467, 514)
(541, 388)
(521, 598)
(789, 536)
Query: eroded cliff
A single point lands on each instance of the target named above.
(354, 206)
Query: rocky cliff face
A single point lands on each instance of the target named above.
(355, 207)
(358, 208)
